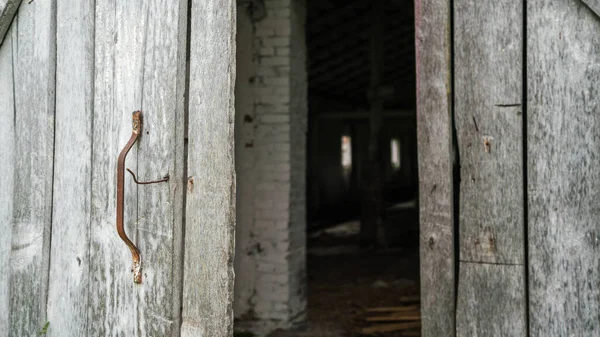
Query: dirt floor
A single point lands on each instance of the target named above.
(346, 287)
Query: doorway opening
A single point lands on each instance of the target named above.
(362, 180)
(327, 232)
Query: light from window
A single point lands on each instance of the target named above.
(346, 152)
(395, 158)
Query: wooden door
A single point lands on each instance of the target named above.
(71, 74)
(508, 144)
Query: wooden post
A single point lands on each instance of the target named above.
(434, 111)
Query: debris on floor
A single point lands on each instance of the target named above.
(405, 318)
(354, 293)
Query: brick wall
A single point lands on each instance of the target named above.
(270, 247)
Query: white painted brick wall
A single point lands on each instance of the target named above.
(270, 252)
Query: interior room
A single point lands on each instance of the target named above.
(327, 234)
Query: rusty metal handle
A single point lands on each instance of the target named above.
(136, 268)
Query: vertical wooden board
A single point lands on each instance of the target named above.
(210, 205)
(70, 258)
(139, 60)
(119, 43)
(563, 124)
(161, 143)
(7, 158)
(488, 109)
(34, 63)
(434, 109)
(487, 291)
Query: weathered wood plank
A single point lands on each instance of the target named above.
(34, 68)
(139, 60)
(119, 43)
(563, 97)
(8, 9)
(434, 110)
(7, 158)
(70, 258)
(493, 294)
(488, 97)
(488, 109)
(210, 207)
(160, 206)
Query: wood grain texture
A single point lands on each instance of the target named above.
(594, 5)
(563, 126)
(34, 63)
(70, 258)
(139, 61)
(113, 305)
(160, 145)
(434, 110)
(488, 109)
(490, 301)
(210, 208)
(7, 158)
(8, 9)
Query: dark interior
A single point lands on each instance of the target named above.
(345, 280)
(338, 39)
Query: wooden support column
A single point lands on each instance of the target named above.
(372, 196)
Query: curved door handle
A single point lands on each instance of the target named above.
(136, 268)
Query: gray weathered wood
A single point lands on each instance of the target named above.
(34, 64)
(563, 99)
(434, 109)
(8, 9)
(70, 258)
(117, 92)
(594, 5)
(500, 310)
(210, 207)
(7, 158)
(160, 152)
(488, 109)
(139, 61)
